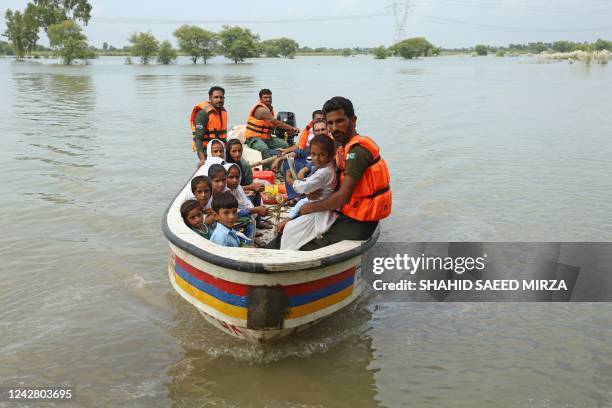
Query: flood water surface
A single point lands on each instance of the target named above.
(487, 149)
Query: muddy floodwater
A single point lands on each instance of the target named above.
(481, 149)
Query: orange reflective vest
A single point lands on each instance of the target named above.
(216, 128)
(371, 199)
(303, 139)
(257, 127)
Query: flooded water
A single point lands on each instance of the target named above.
(487, 149)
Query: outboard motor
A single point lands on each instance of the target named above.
(288, 118)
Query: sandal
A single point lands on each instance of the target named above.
(263, 224)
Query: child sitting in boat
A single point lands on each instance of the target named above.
(233, 154)
(215, 148)
(299, 230)
(201, 188)
(225, 208)
(192, 214)
(247, 212)
(218, 179)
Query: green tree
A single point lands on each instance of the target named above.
(50, 12)
(601, 45)
(5, 48)
(412, 48)
(196, 42)
(238, 43)
(346, 52)
(379, 52)
(269, 48)
(144, 45)
(105, 46)
(563, 46)
(68, 41)
(22, 32)
(481, 49)
(287, 47)
(166, 54)
(539, 48)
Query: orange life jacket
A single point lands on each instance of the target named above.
(303, 139)
(371, 199)
(216, 128)
(258, 127)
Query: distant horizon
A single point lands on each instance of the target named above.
(449, 24)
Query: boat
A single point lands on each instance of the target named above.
(260, 295)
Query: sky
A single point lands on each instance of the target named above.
(354, 23)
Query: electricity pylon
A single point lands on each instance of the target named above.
(400, 12)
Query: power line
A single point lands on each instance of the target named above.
(400, 11)
(513, 7)
(511, 29)
(217, 21)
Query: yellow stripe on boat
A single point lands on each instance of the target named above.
(308, 308)
(230, 310)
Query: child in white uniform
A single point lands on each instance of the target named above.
(299, 230)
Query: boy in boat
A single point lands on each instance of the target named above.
(225, 208)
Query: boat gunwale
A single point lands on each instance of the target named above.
(257, 267)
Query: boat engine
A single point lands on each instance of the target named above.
(288, 118)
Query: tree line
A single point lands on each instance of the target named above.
(538, 47)
(233, 42)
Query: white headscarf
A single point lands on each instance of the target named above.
(203, 171)
(209, 148)
(238, 192)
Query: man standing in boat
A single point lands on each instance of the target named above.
(364, 196)
(260, 123)
(208, 121)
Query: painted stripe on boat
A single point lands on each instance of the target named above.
(320, 304)
(321, 293)
(308, 287)
(242, 301)
(226, 286)
(225, 308)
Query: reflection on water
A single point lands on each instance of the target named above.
(239, 80)
(213, 365)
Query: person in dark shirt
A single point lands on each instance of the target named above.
(209, 121)
(364, 196)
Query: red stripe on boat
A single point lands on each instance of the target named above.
(303, 288)
(226, 286)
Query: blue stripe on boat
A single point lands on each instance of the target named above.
(321, 293)
(235, 300)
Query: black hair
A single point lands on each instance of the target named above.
(215, 170)
(265, 91)
(339, 103)
(319, 121)
(224, 200)
(230, 143)
(215, 88)
(317, 112)
(197, 180)
(236, 166)
(188, 206)
(326, 142)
